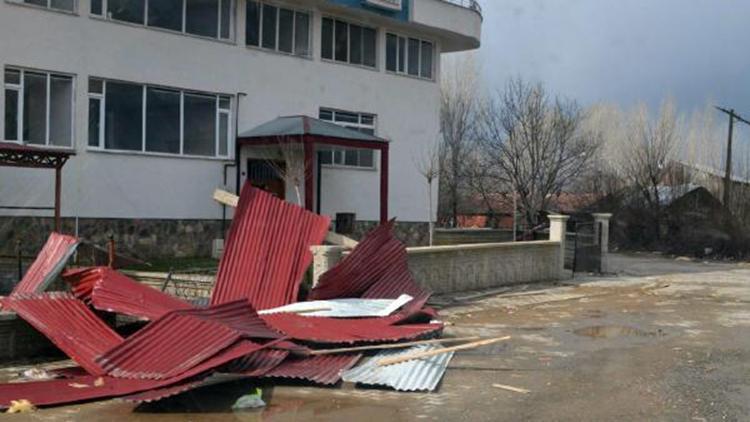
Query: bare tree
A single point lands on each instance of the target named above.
(292, 172)
(533, 144)
(458, 105)
(428, 165)
(650, 148)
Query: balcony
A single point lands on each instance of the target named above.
(458, 22)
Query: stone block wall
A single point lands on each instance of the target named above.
(447, 269)
(145, 239)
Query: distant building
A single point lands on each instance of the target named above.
(151, 96)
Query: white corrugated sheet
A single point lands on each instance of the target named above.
(343, 308)
(413, 375)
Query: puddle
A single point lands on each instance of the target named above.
(614, 331)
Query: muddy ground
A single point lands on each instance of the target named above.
(665, 339)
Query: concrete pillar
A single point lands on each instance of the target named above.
(557, 229)
(601, 223)
(324, 258)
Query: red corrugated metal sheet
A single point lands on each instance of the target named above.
(182, 339)
(336, 330)
(69, 324)
(256, 364)
(45, 393)
(109, 290)
(48, 264)
(267, 250)
(323, 369)
(377, 268)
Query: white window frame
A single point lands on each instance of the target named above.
(349, 125)
(348, 43)
(47, 7)
(183, 30)
(407, 58)
(100, 146)
(19, 88)
(295, 11)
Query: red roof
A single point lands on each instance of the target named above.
(334, 330)
(109, 290)
(267, 250)
(48, 264)
(69, 324)
(323, 369)
(377, 268)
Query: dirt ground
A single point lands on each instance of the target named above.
(665, 339)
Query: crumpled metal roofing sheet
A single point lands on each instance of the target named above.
(333, 330)
(167, 347)
(48, 264)
(256, 364)
(413, 375)
(323, 369)
(44, 393)
(181, 339)
(109, 290)
(69, 324)
(267, 250)
(377, 268)
(343, 308)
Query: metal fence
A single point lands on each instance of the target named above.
(469, 4)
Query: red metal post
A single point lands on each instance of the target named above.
(58, 188)
(384, 183)
(309, 173)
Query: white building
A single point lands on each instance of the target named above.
(151, 95)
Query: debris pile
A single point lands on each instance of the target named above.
(253, 325)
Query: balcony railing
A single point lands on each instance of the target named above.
(469, 4)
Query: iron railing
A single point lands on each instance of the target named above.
(469, 4)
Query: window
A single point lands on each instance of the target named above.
(344, 156)
(205, 18)
(409, 56)
(38, 107)
(63, 5)
(348, 43)
(124, 116)
(277, 28)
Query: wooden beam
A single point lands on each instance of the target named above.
(419, 355)
(230, 199)
(390, 346)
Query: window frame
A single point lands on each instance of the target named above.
(219, 110)
(48, 7)
(407, 58)
(349, 23)
(295, 11)
(183, 31)
(19, 88)
(350, 125)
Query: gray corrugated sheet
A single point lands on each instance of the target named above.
(343, 308)
(305, 125)
(413, 375)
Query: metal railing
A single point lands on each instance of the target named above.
(468, 4)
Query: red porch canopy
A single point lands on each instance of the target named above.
(17, 155)
(310, 132)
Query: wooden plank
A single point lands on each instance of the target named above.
(511, 388)
(419, 355)
(230, 199)
(390, 346)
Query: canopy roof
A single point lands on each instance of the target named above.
(18, 155)
(305, 126)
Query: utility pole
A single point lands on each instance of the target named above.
(728, 174)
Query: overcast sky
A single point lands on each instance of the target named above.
(623, 51)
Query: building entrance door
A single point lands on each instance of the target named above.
(267, 175)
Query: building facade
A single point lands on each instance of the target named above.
(150, 95)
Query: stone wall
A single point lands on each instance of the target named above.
(411, 233)
(144, 239)
(446, 269)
